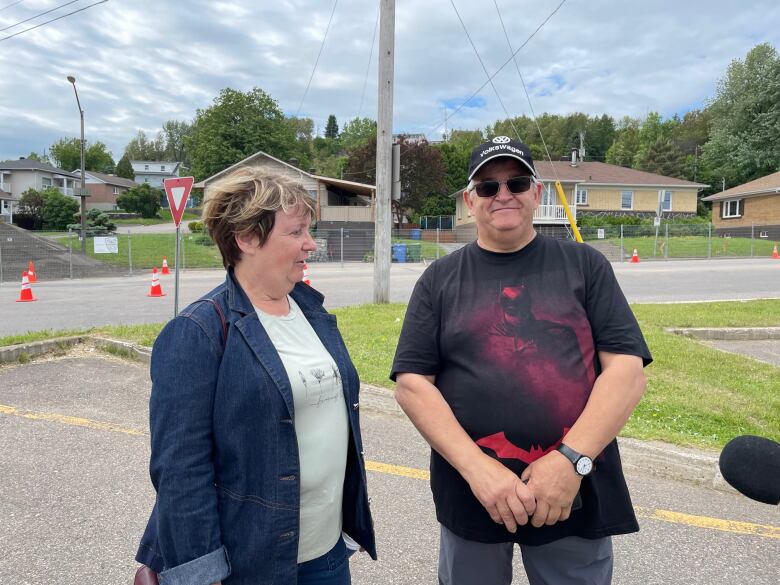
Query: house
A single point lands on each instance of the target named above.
(748, 210)
(596, 188)
(104, 189)
(154, 171)
(338, 203)
(17, 176)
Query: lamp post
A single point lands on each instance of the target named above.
(83, 193)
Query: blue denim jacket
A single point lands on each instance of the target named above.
(224, 451)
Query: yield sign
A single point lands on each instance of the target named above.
(178, 190)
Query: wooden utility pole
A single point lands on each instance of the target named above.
(384, 141)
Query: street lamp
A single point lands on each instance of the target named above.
(83, 193)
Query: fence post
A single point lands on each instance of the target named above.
(341, 247)
(752, 238)
(1, 263)
(129, 252)
(709, 240)
(622, 247)
(437, 242)
(183, 257)
(666, 245)
(70, 253)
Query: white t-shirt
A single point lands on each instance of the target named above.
(321, 427)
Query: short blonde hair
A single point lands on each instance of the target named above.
(246, 201)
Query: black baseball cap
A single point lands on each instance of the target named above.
(498, 147)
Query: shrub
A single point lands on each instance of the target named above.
(196, 227)
(58, 209)
(143, 199)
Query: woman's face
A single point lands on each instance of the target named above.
(281, 258)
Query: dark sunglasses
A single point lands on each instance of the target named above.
(515, 185)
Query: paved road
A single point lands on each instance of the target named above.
(75, 492)
(68, 304)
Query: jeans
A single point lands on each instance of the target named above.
(332, 568)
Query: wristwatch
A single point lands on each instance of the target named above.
(583, 464)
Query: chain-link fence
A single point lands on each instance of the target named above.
(682, 241)
(57, 255)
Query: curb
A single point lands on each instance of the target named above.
(727, 333)
(653, 458)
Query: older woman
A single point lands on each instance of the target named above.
(256, 448)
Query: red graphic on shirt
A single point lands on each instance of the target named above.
(505, 449)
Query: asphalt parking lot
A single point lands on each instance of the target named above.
(74, 451)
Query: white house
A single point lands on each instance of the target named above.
(153, 172)
(17, 176)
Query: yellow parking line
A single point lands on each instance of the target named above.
(71, 420)
(733, 526)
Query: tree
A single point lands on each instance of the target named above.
(664, 158)
(124, 168)
(38, 157)
(332, 127)
(58, 210)
(455, 155)
(143, 199)
(236, 125)
(624, 149)
(97, 222)
(30, 212)
(142, 147)
(66, 153)
(175, 133)
(357, 132)
(744, 139)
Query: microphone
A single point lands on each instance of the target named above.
(751, 465)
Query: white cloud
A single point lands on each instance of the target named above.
(141, 63)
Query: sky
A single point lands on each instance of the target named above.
(138, 63)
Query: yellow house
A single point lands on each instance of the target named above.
(596, 188)
(748, 210)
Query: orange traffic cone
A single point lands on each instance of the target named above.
(31, 273)
(165, 266)
(635, 257)
(156, 290)
(25, 296)
(306, 274)
(775, 255)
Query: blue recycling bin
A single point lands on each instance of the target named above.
(399, 253)
(415, 234)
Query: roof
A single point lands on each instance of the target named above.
(360, 188)
(599, 173)
(202, 184)
(768, 185)
(109, 179)
(32, 165)
(154, 162)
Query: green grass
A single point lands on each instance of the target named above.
(31, 336)
(148, 251)
(695, 247)
(428, 249)
(696, 395)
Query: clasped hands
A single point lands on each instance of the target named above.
(543, 494)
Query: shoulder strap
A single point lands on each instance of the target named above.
(221, 318)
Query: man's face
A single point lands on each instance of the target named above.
(506, 218)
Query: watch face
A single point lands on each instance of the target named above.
(584, 465)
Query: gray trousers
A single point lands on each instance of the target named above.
(569, 561)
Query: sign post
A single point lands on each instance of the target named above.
(178, 191)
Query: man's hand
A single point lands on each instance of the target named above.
(507, 499)
(555, 484)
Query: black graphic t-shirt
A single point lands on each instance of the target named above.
(513, 342)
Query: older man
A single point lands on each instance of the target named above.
(519, 362)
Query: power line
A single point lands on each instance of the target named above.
(11, 4)
(52, 20)
(527, 95)
(39, 15)
(368, 66)
(322, 46)
(487, 74)
(520, 48)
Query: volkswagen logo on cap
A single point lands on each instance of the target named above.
(501, 139)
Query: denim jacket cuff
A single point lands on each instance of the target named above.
(210, 568)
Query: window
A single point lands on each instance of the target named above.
(763, 235)
(146, 167)
(626, 200)
(312, 193)
(46, 181)
(666, 201)
(582, 196)
(731, 208)
(162, 167)
(116, 190)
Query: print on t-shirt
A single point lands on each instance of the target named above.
(538, 357)
(321, 385)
